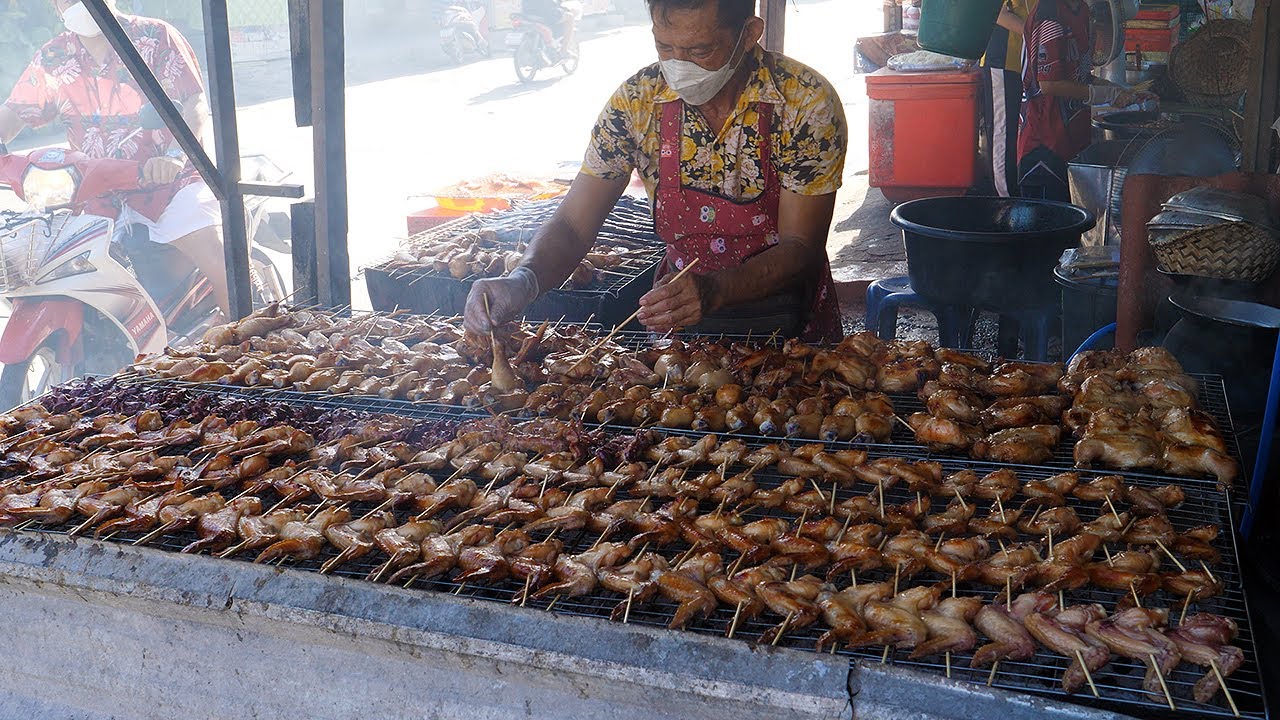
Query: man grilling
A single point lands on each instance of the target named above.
(741, 152)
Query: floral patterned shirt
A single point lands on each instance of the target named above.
(809, 134)
(99, 104)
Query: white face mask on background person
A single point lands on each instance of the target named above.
(695, 84)
(79, 21)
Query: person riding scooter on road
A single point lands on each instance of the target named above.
(554, 15)
(77, 79)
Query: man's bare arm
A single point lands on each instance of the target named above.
(804, 222)
(564, 240)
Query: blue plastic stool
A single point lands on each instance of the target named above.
(1033, 327)
(884, 297)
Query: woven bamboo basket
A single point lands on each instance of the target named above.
(1229, 251)
(1212, 67)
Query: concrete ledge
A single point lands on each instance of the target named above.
(885, 692)
(102, 630)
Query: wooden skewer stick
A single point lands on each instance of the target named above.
(1155, 667)
(1008, 596)
(1208, 572)
(782, 629)
(885, 657)
(1000, 505)
(1190, 594)
(733, 625)
(1087, 675)
(992, 677)
(1175, 560)
(626, 614)
(1050, 544)
(948, 657)
(1134, 590)
(880, 487)
(853, 576)
(1113, 508)
(964, 504)
(832, 510)
(845, 528)
(154, 533)
(1222, 683)
(631, 317)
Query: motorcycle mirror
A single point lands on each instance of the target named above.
(150, 117)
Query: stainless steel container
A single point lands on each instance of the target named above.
(1097, 179)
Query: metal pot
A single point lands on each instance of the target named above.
(992, 253)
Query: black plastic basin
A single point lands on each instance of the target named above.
(996, 254)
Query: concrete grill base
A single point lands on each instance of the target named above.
(101, 630)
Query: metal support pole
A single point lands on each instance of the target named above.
(302, 229)
(775, 23)
(222, 103)
(300, 59)
(329, 135)
(146, 79)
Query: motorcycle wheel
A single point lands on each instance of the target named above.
(454, 51)
(570, 64)
(528, 58)
(33, 377)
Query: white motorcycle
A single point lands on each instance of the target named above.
(87, 294)
(462, 31)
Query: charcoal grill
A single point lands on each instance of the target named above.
(423, 290)
(1119, 683)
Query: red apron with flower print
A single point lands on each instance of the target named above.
(722, 233)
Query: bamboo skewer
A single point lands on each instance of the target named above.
(1155, 667)
(630, 317)
(1175, 560)
(1087, 675)
(1222, 683)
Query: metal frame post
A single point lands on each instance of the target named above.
(775, 24)
(329, 135)
(226, 134)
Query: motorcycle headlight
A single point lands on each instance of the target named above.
(77, 265)
(44, 188)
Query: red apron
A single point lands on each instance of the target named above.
(723, 233)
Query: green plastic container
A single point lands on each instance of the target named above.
(960, 28)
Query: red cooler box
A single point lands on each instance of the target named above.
(924, 132)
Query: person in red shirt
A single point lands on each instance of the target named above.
(1058, 91)
(77, 79)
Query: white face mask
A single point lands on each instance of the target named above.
(695, 84)
(79, 21)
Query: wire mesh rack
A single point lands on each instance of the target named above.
(1119, 684)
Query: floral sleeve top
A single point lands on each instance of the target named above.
(809, 134)
(100, 104)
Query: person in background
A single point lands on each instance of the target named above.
(1059, 91)
(554, 15)
(77, 80)
(1002, 89)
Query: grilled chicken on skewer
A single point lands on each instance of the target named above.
(1063, 631)
(1205, 640)
(1133, 634)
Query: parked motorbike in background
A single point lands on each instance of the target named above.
(535, 48)
(463, 30)
(88, 294)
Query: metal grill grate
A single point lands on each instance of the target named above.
(1119, 683)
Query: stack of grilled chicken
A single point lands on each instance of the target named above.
(1139, 411)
